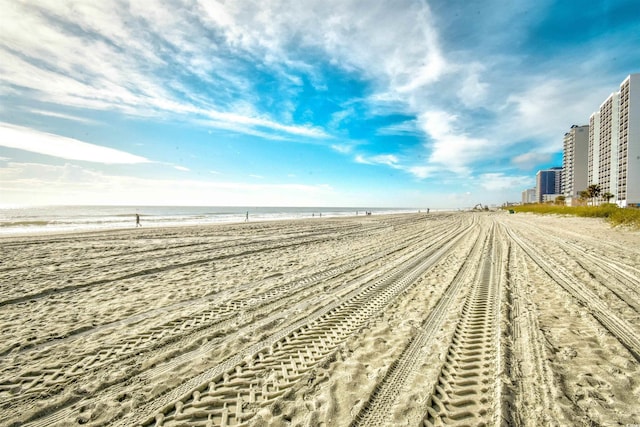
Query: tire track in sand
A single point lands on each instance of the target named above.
(432, 245)
(535, 398)
(619, 328)
(375, 411)
(469, 389)
(186, 329)
(231, 393)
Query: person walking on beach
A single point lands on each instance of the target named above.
(246, 218)
(138, 221)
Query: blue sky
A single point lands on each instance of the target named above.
(440, 104)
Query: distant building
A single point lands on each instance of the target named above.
(575, 162)
(529, 196)
(548, 181)
(614, 144)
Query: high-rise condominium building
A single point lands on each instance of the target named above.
(548, 181)
(575, 162)
(529, 196)
(608, 138)
(614, 144)
(594, 148)
(629, 142)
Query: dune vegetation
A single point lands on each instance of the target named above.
(612, 213)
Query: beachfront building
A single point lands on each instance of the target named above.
(593, 162)
(575, 162)
(529, 196)
(614, 144)
(629, 142)
(608, 145)
(548, 181)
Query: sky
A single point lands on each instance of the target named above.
(404, 103)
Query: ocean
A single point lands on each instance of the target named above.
(38, 219)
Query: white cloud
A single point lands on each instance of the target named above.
(138, 60)
(251, 122)
(394, 162)
(181, 168)
(531, 159)
(385, 159)
(408, 127)
(354, 36)
(120, 61)
(473, 91)
(501, 182)
(422, 172)
(380, 159)
(449, 148)
(35, 183)
(342, 148)
(27, 139)
(63, 116)
(547, 108)
(360, 159)
(339, 117)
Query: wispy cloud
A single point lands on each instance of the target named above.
(342, 148)
(29, 183)
(408, 127)
(531, 159)
(140, 61)
(380, 159)
(135, 60)
(461, 91)
(419, 171)
(259, 122)
(27, 139)
(422, 172)
(63, 116)
(501, 182)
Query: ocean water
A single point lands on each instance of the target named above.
(37, 219)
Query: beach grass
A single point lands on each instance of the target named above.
(612, 213)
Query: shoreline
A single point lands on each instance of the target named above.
(178, 226)
(83, 220)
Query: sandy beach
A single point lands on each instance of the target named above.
(383, 320)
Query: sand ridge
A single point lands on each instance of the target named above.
(412, 319)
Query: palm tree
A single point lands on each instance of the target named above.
(607, 196)
(594, 191)
(583, 195)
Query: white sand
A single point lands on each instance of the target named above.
(382, 320)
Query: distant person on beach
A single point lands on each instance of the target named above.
(138, 221)
(246, 218)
